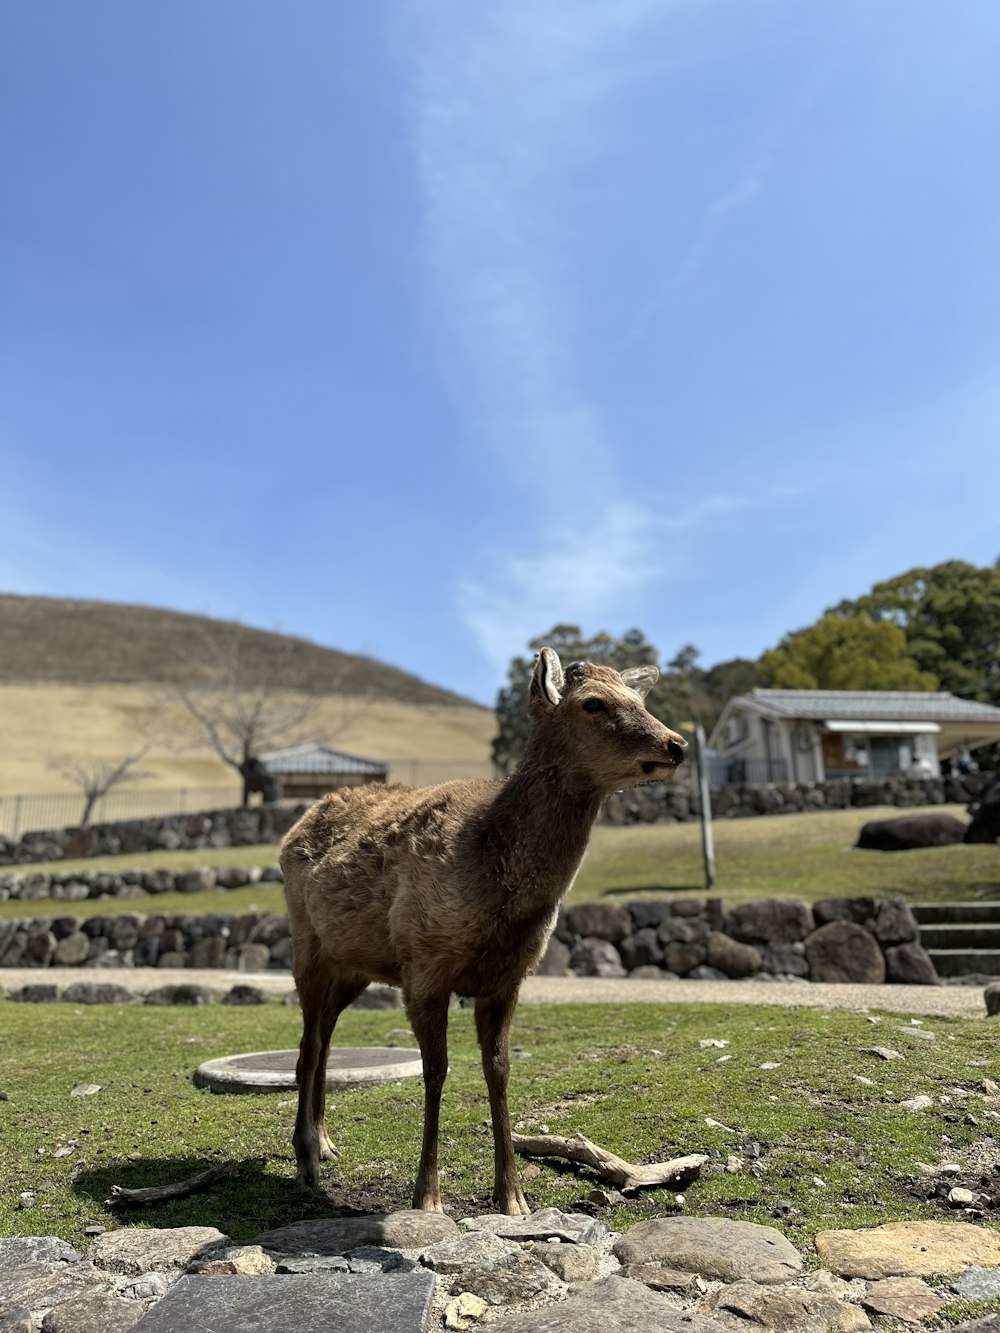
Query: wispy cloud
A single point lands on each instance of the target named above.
(510, 102)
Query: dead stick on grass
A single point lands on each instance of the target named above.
(160, 1193)
(623, 1175)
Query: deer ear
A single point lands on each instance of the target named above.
(641, 679)
(547, 680)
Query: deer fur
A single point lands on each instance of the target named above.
(454, 889)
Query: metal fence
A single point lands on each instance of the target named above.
(22, 814)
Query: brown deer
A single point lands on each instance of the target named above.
(454, 890)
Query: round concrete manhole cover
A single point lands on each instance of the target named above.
(274, 1071)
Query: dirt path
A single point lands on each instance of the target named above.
(960, 1001)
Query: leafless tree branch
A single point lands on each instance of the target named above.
(96, 777)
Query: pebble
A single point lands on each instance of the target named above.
(961, 1198)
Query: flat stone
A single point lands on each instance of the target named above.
(313, 1263)
(616, 1305)
(477, 1249)
(250, 1260)
(746, 1306)
(185, 993)
(377, 1259)
(409, 1229)
(100, 1312)
(989, 1323)
(520, 1277)
(136, 1250)
(39, 1286)
(16, 1319)
(244, 995)
(96, 992)
(571, 1263)
(978, 1284)
(146, 1287)
(908, 1249)
(464, 1311)
(36, 1250)
(907, 1298)
(714, 1247)
(274, 1071)
(306, 1302)
(543, 1224)
(661, 1278)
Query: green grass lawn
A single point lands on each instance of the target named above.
(833, 1151)
(808, 855)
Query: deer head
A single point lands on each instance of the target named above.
(594, 723)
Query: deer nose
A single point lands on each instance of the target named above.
(675, 749)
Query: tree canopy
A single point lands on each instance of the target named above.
(845, 652)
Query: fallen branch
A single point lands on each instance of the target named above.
(679, 1171)
(123, 1197)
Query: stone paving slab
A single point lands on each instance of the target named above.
(274, 1071)
(305, 1302)
(957, 1001)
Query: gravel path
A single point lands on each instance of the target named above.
(961, 1001)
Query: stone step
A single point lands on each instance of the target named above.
(961, 962)
(965, 935)
(948, 913)
(305, 1302)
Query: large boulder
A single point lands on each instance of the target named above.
(910, 964)
(907, 832)
(985, 811)
(592, 957)
(731, 957)
(845, 952)
(604, 920)
(769, 921)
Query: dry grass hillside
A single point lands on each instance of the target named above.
(87, 678)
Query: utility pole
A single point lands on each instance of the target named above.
(707, 842)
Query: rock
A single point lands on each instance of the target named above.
(705, 973)
(894, 922)
(844, 952)
(96, 992)
(208, 953)
(313, 1263)
(37, 993)
(883, 1052)
(571, 1263)
(36, 1250)
(641, 949)
(978, 1284)
(921, 1103)
(645, 914)
(649, 973)
(906, 1298)
(746, 1306)
(497, 1270)
(253, 958)
(985, 811)
(99, 1312)
(681, 958)
(232, 877)
(602, 920)
(39, 1286)
(961, 1198)
(713, 1247)
(910, 964)
(593, 957)
(991, 996)
(464, 1311)
(543, 1224)
(906, 832)
(72, 950)
(195, 881)
(616, 1305)
(248, 1259)
(660, 1278)
(184, 993)
(554, 962)
(133, 1251)
(377, 1259)
(770, 921)
(730, 957)
(989, 1323)
(857, 909)
(378, 997)
(908, 1249)
(243, 995)
(16, 1319)
(785, 960)
(408, 1229)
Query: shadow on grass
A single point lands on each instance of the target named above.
(257, 1195)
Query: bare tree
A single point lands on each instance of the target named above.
(96, 777)
(244, 708)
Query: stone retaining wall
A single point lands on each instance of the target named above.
(30, 886)
(656, 801)
(863, 940)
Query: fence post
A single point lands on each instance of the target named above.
(707, 841)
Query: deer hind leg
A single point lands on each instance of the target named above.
(324, 993)
(494, 1014)
(429, 1018)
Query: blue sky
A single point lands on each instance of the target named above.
(415, 328)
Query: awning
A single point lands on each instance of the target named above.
(887, 728)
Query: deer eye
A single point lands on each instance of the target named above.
(594, 706)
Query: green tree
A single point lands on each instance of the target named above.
(950, 615)
(845, 652)
(667, 699)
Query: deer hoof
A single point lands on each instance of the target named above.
(513, 1204)
(307, 1177)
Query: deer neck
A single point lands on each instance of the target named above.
(544, 819)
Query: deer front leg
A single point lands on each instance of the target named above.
(429, 1017)
(493, 1019)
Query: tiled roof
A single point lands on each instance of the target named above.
(870, 706)
(316, 758)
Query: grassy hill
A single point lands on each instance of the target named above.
(77, 678)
